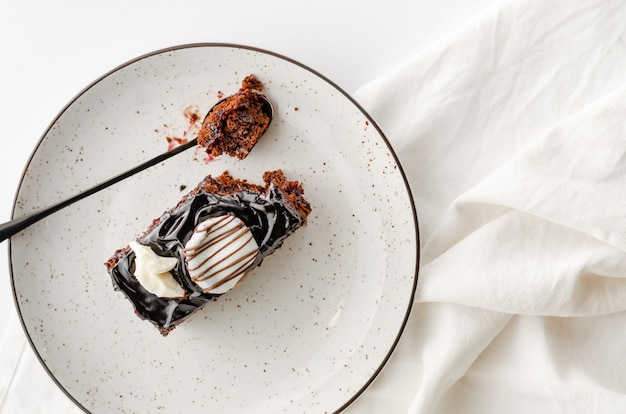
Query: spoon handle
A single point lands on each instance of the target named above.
(14, 226)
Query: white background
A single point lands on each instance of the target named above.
(50, 51)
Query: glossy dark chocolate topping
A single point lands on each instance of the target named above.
(267, 215)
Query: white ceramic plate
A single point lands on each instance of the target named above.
(307, 332)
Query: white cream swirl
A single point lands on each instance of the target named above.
(153, 272)
(219, 253)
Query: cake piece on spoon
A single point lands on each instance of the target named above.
(235, 124)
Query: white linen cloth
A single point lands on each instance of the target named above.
(513, 137)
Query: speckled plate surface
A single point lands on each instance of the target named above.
(309, 329)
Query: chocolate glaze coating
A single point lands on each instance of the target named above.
(268, 215)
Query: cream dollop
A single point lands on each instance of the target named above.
(219, 253)
(153, 272)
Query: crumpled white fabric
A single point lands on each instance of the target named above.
(512, 134)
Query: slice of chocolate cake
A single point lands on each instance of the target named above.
(206, 245)
(234, 125)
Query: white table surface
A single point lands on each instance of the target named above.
(52, 50)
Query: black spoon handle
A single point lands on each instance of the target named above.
(14, 226)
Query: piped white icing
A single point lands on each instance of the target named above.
(153, 272)
(219, 253)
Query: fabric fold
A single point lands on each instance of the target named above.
(498, 85)
(512, 134)
(549, 224)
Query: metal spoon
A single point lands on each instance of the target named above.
(14, 226)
